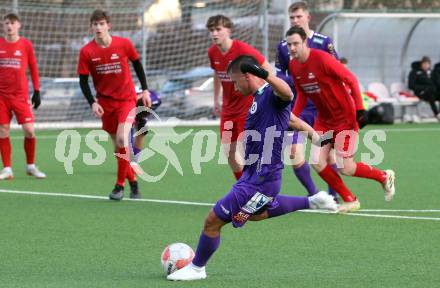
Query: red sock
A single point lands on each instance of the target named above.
(335, 181)
(238, 174)
(5, 149)
(29, 149)
(366, 171)
(123, 166)
(130, 174)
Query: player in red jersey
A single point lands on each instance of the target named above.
(235, 106)
(320, 77)
(16, 55)
(106, 59)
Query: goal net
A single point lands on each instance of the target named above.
(169, 35)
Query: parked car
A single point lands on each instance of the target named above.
(188, 95)
(62, 100)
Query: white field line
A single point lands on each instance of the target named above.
(393, 216)
(211, 204)
(217, 132)
(405, 211)
(102, 197)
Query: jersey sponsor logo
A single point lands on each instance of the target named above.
(216, 62)
(110, 68)
(311, 88)
(253, 108)
(17, 53)
(14, 63)
(114, 56)
(223, 76)
(318, 40)
(256, 203)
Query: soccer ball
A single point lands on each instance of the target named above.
(176, 256)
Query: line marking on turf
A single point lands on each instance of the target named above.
(393, 216)
(103, 197)
(409, 129)
(399, 210)
(211, 204)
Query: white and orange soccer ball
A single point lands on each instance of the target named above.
(176, 256)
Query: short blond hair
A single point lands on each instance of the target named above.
(298, 5)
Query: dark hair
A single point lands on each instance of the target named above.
(235, 64)
(425, 59)
(12, 17)
(298, 5)
(297, 30)
(99, 15)
(218, 20)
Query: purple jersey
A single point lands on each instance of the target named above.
(266, 123)
(256, 190)
(317, 41)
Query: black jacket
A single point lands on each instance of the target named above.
(435, 76)
(419, 80)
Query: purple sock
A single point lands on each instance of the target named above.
(331, 191)
(303, 175)
(136, 150)
(288, 204)
(206, 247)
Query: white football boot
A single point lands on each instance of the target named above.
(348, 207)
(32, 170)
(388, 185)
(6, 174)
(323, 201)
(188, 273)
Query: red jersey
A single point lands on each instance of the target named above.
(235, 105)
(324, 80)
(14, 60)
(109, 68)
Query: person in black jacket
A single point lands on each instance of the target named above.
(419, 80)
(435, 76)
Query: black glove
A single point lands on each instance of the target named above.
(362, 118)
(36, 100)
(324, 139)
(254, 69)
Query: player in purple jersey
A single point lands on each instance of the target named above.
(138, 133)
(255, 195)
(299, 16)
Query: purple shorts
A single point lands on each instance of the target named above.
(308, 117)
(245, 200)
